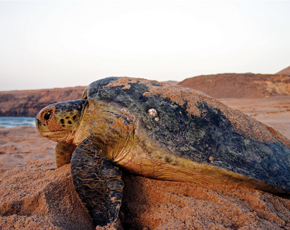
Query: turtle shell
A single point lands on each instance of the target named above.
(193, 126)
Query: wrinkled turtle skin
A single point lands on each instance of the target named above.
(159, 131)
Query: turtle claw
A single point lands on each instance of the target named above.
(98, 183)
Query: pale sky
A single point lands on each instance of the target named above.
(46, 44)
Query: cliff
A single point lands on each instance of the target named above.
(247, 85)
(29, 102)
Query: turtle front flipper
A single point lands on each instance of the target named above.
(63, 152)
(97, 181)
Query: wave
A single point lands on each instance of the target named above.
(10, 122)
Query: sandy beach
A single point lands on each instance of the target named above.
(34, 194)
(195, 92)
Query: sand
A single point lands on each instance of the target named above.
(34, 194)
(273, 111)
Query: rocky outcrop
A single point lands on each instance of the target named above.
(29, 102)
(247, 85)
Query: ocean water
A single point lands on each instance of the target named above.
(10, 122)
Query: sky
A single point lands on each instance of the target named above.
(60, 43)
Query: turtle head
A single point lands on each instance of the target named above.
(60, 121)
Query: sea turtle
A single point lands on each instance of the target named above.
(163, 132)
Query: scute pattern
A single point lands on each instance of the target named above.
(200, 138)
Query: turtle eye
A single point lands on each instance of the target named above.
(47, 115)
(80, 108)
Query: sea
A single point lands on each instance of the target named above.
(10, 122)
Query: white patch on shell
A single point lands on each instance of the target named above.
(153, 112)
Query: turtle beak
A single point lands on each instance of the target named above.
(39, 124)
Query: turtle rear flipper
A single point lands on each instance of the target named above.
(97, 181)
